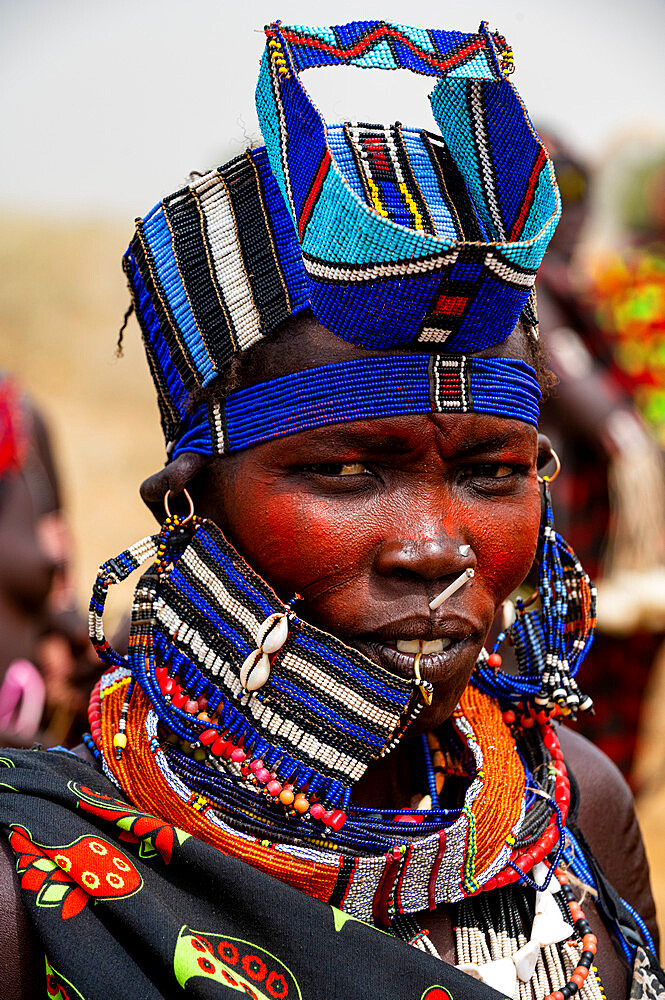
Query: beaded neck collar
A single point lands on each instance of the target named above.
(500, 833)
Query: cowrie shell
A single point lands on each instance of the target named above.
(272, 633)
(255, 670)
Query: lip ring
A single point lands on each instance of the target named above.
(426, 690)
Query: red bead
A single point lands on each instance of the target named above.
(494, 661)
(316, 811)
(337, 820)
(578, 979)
(409, 819)
(274, 787)
(589, 943)
(509, 717)
(202, 703)
(238, 755)
(217, 748)
(262, 775)
(557, 995)
(256, 765)
(179, 699)
(208, 736)
(160, 672)
(167, 684)
(191, 707)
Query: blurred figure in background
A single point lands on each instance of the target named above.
(46, 667)
(610, 499)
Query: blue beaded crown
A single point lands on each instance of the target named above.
(392, 236)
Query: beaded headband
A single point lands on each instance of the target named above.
(390, 235)
(367, 388)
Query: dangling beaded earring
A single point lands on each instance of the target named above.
(552, 635)
(164, 547)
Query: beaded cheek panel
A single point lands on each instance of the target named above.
(204, 624)
(364, 389)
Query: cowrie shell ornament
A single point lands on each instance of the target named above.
(273, 633)
(255, 670)
(270, 638)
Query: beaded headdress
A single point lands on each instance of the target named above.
(393, 237)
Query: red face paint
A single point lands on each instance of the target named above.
(369, 550)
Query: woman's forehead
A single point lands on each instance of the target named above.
(402, 439)
(302, 343)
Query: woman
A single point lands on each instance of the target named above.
(307, 743)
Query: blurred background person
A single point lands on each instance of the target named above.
(46, 666)
(610, 501)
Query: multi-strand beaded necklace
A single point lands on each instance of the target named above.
(185, 727)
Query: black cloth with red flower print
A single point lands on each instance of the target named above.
(126, 905)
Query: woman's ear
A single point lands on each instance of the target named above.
(174, 477)
(545, 452)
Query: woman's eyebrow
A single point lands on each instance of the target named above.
(346, 437)
(492, 443)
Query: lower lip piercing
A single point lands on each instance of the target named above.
(451, 589)
(426, 688)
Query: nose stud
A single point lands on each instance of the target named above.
(464, 550)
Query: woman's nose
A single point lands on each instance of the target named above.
(427, 558)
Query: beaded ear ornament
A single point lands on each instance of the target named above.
(235, 674)
(551, 632)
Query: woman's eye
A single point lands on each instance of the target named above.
(492, 470)
(339, 469)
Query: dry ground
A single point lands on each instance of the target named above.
(62, 298)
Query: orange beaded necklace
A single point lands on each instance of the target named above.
(458, 862)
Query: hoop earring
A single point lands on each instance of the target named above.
(552, 631)
(557, 470)
(191, 507)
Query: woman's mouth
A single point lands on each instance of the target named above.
(399, 655)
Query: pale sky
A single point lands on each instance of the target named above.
(106, 105)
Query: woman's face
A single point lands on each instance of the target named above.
(365, 520)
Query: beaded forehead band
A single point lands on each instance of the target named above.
(391, 236)
(364, 389)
